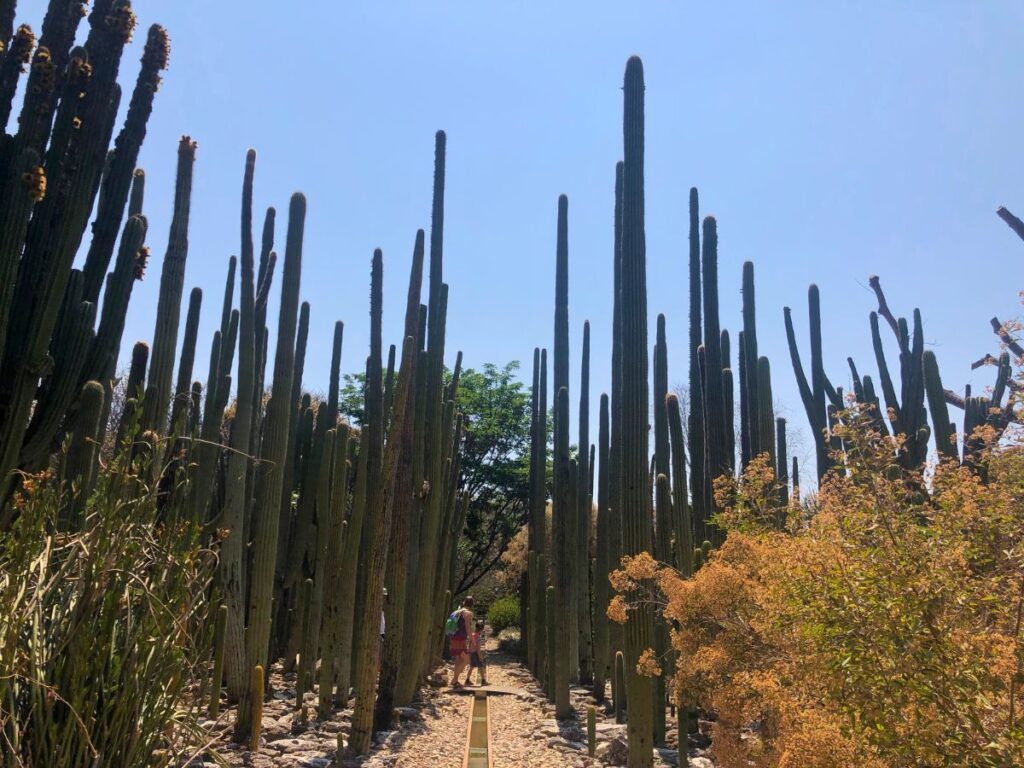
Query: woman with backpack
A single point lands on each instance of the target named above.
(457, 627)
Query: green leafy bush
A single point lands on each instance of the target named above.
(503, 613)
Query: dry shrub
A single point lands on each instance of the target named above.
(883, 633)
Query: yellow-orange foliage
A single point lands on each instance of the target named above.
(883, 633)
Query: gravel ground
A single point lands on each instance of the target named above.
(432, 733)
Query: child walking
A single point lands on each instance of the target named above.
(477, 655)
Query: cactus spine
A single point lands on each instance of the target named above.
(636, 521)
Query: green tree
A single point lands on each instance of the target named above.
(495, 466)
(495, 460)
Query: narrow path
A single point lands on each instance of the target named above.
(522, 733)
(433, 733)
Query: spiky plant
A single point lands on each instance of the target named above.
(636, 521)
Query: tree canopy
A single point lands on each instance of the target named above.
(495, 460)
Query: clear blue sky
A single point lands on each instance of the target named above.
(831, 140)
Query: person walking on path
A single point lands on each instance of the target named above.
(458, 642)
(477, 657)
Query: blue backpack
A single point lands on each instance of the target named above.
(453, 624)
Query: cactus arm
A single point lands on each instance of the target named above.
(1011, 221)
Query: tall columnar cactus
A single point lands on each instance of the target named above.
(399, 495)
(535, 521)
(603, 563)
(424, 600)
(539, 510)
(81, 454)
(550, 607)
(752, 438)
(782, 461)
(563, 514)
(943, 429)
(765, 409)
(564, 554)
(168, 308)
(269, 476)
(527, 621)
(292, 477)
(584, 514)
(745, 435)
(182, 390)
(812, 394)
(418, 472)
(615, 633)
(207, 452)
(117, 179)
(217, 679)
(326, 523)
(72, 338)
(379, 503)
(715, 426)
(349, 566)
(236, 503)
(682, 523)
(728, 404)
(302, 543)
(662, 508)
(333, 592)
(132, 392)
(906, 411)
(128, 268)
(620, 688)
(264, 280)
(636, 527)
(50, 174)
(305, 672)
(695, 413)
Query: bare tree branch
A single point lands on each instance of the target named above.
(883, 305)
